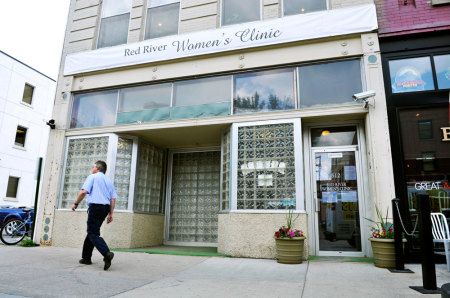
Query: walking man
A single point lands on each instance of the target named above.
(101, 200)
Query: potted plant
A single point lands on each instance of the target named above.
(289, 242)
(382, 241)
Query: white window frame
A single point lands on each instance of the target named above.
(299, 181)
(261, 8)
(111, 163)
(157, 3)
(282, 8)
(101, 19)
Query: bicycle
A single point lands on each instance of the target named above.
(14, 230)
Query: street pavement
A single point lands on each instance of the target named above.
(55, 272)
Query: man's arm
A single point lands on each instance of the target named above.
(111, 210)
(80, 198)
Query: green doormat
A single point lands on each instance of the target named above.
(340, 259)
(177, 250)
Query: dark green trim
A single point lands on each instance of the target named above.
(198, 111)
(340, 259)
(143, 116)
(177, 250)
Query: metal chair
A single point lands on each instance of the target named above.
(441, 234)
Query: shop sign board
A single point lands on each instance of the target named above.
(336, 22)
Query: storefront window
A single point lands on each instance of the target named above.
(426, 157)
(94, 109)
(202, 91)
(148, 195)
(145, 97)
(237, 11)
(329, 83)
(81, 155)
(408, 75)
(442, 66)
(266, 167)
(264, 91)
(162, 18)
(291, 7)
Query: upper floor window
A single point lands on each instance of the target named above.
(21, 135)
(238, 11)
(28, 94)
(114, 23)
(291, 7)
(94, 109)
(162, 18)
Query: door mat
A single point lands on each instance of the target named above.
(340, 259)
(177, 250)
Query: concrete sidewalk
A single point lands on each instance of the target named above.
(55, 272)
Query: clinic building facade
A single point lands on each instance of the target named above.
(215, 118)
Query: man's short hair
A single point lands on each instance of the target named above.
(101, 166)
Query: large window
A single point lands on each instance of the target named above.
(21, 136)
(442, 65)
(202, 91)
(114, 23)
(94, 109)
(28, 94)
(13, 185)
(238, 11)
(331, 83)
(264, 91)
(162, 18)
(291, 7)
(266, 176)
(145, 97)
(412, 74)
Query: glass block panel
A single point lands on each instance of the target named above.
(148, 192)
(123, 172)
(226, 160)
(266, 167)
(195, 197)
(81, 155)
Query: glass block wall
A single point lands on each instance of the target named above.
(123, 172)
(266, 169)
(81, 156)
(226, 161)
(148, 192)
(195, 197)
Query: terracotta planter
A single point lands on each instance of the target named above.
(384, 252)
(290, 251)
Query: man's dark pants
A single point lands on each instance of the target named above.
(96, 216)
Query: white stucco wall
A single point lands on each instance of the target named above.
(14, 160)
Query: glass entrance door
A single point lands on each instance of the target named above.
(337, 200)
(194, 198)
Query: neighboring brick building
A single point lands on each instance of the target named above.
(415, 49)
(215, 117)
(26, 102)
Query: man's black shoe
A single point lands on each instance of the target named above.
(108, 258)
(85, 262)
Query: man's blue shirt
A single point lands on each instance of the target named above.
(100, 189)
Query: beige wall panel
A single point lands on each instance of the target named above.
(80, 4)
(190, 3)
(86, 13)
(138, 3)
(198, 11)
(258, 239)
(79, 46)
(198, 24)
(128, 230)
(347, 3)
(271, 12)
(148, 230)
(230, 62)
(270, 2)
(135, 24)
(82, 34)
(84, 24)
(134, 36)
(137, 12)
